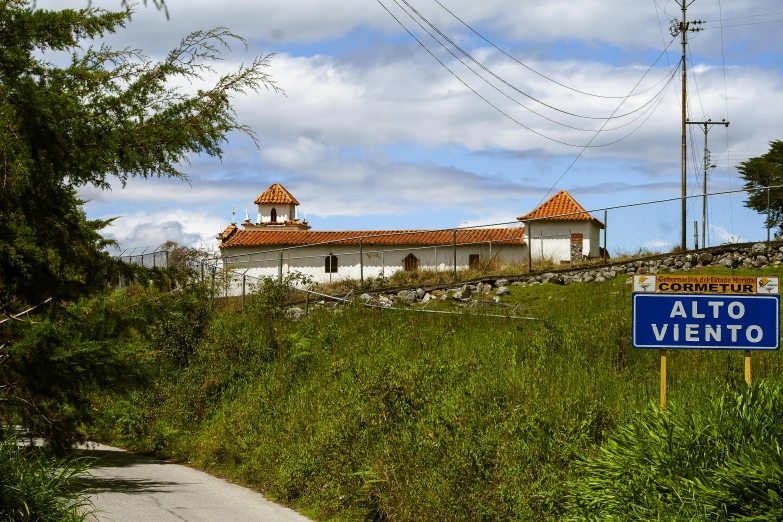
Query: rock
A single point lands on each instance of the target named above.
(480, 287)
(462, 293)
(496, 299)
(487, 288)
(706, 258)
(438, 293)
(365, 298)
(747, 262)
(520, 283)
(472, 288)
(407, 296)
(502, 290)
(420, 293)
(444, 297)
(588, 278)
(687, 265)
(679, 264)
(501, 282)
(760, 261)
(758, 248)
(294, 313)
(552, 278)
(726, 261)
(600, 279)
(534, 283)
(631, 270)
(427, 297)
(609, 274)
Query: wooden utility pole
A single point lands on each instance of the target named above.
(707, 125)
(682, 29)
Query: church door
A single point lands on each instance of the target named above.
(410, 263)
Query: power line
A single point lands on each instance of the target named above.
(596, 134)
(749, 23)
(482, 66)
(743, 17)
(726, 101)
(506, 114)
(530, 68)
(653, 99)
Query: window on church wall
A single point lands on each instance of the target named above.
(273, 217)
(330, 264)
(410, 263)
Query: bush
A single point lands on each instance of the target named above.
(718, 461)
(34, 486)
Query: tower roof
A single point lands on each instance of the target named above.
(561, 207)
(276, 195)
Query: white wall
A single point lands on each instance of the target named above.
(377, 261)
(284, 212)
(556, 245)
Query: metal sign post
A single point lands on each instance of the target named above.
(705, 312)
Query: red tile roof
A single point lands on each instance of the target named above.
(276, 195)
(560, 207)
(260, 238)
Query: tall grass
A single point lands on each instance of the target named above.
(38, 487)
(381, 415)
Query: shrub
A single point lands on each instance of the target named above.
(35, 486)
(717, 461)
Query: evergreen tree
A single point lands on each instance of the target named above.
(765, 171)
(107, 115)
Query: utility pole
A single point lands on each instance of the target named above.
(707, 125)
(682, 29)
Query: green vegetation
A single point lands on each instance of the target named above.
(103, 116)
(765, 171)
(383, 415)
(36, 487)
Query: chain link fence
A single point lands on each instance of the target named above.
(432, 257)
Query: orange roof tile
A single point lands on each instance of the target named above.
(276, 195)
(259, 238)
(560, 207)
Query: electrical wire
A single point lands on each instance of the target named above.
(698, 94)
(530, 68)
(726, 100)
(647, 104)
(749, 23)
(482, 66)
(509, 116)
(742, 17)
(588, 144)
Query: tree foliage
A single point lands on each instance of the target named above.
(765, 171)
(76, 113)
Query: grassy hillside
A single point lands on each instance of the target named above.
(383, 415)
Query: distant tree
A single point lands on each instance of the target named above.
(765, 171)
(108, 114)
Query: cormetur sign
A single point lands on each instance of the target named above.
(665, 317)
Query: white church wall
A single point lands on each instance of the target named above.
(285, 212)
(551, 240)
(376, 261)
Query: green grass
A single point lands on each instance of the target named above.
(36, 486)
(385, 415)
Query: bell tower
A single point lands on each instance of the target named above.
(276, 210)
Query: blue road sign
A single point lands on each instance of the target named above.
(706, 322)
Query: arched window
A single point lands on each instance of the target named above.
(410, 263)
(330, 264)
(274, 215)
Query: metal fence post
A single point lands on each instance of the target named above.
(307, 302)
(280, 267)
(529, 248)
(455, 255)
(361, 262)
(768, 215)
(696, 235)
(606, 225)
(243, 291)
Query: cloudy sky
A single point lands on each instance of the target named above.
(374, 133)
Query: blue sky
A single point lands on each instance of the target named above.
(374, 134)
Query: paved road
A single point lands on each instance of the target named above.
(127, 487)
